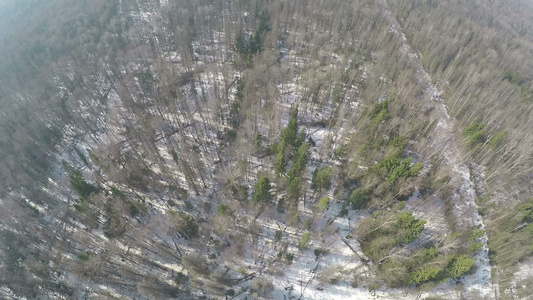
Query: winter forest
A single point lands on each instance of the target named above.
(266, 149)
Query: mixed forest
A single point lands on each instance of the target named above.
(266, 149)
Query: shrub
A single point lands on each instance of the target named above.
(288, 137)
(175, 156)
(514, 77)
(84, 256)
(290, 133)
(410, 225)
(181, 278)
(257, 140)
(300, 161)
(278, 235)
(358, 198)
(387, 229)
(254, 44)
(458, 265)
(293, 188)
(323, 204)
(114, 225)
(262, 191)
(475, 247)
(497, 139)
(474, 133)
(185, 224)
(321, 179)
(280, 207)
(306, 224)
(339, 152)
(343, 212)
(231, 135)
(300, 139)
(476, 233)
(223, 209)
(526, 211)
(280, 161)
(195, 264)
(401, 169)
(83, 206)
(289, 257)
(424, 274)
(80, 186)
(430, 253)
(262, 286)
(240, 192)
(397, 168)
(317, 252)
(399, 142)
(305, 240)
(379, 113)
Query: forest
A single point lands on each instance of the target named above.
(266, 149)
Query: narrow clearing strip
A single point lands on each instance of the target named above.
(465, 208)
